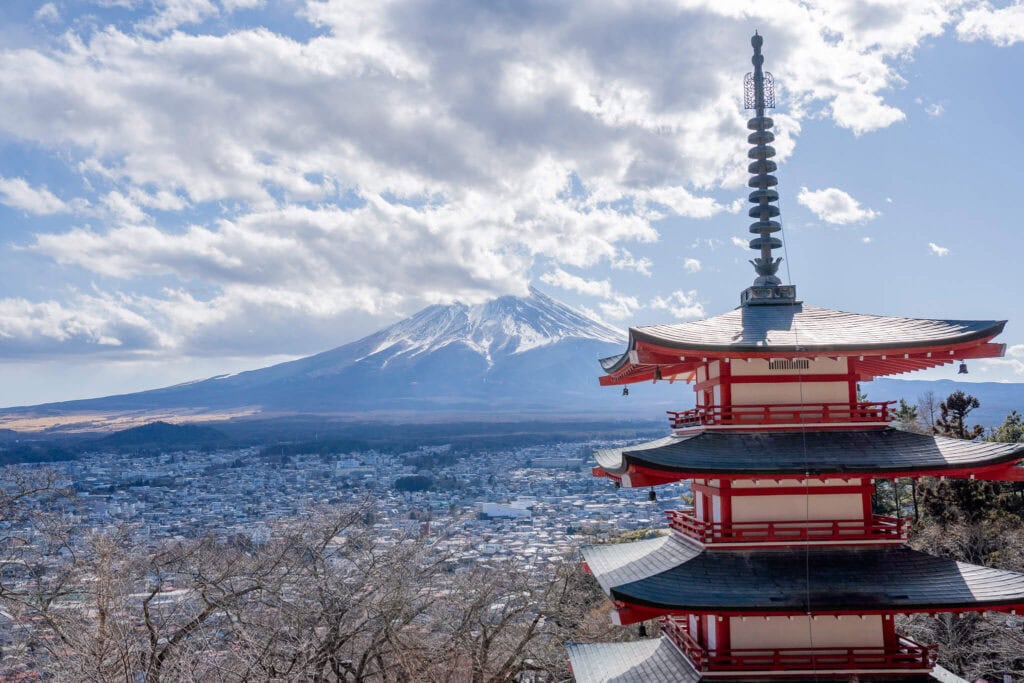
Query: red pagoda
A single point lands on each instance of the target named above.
(780, 570)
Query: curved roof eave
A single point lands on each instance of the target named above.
(797, 452)
(797, 328)
(671, 574)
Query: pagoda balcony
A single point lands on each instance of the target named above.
(907, 656)
(782, 415)
(878, 529)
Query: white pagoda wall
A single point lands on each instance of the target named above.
(826, 631)
(794, 507)
(789, 392)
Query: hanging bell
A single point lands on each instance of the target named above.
(652, 495)
(625, 391)
(618, 484)
(657, 373)
(642, 631)
(963, 368)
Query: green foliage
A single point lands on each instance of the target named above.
(959, 500)
(415, 482)
(16, 453)
(1011, 431)
(906, 417)
(952, 420)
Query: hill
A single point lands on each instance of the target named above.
(161, 434)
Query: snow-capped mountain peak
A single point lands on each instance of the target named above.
(504, 326)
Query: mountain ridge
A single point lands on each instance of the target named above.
(512, 352)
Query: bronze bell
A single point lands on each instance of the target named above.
(963, 368)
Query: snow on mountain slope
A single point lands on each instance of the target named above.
(505, 326)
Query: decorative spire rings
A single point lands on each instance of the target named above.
(759, 94)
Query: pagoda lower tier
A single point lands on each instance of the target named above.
(662, 660)
(779, 613)
(883, 452)
(672, 575)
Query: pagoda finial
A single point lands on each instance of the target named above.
(759, 94)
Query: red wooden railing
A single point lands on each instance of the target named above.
(879, 527)
(785, 413)
(907, 655)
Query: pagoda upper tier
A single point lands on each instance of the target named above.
(874, 345)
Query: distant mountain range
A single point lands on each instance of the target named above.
(512, 356)
(997, 399)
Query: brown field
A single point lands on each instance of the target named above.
(109, 422)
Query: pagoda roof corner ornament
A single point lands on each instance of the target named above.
(758, 95)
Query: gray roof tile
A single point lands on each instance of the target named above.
(819, 452)
(785, 580)
(638, 661)
(799, 327)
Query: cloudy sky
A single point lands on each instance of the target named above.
(189, 187)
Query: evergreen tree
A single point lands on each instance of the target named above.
(953, 414)
(906, 417)
(959, 500)
(1011, 431)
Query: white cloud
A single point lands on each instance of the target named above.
(413, 153)
(740, 242)
(48, 13)
(1003, 26)
(934, 110)
(937, 250)
(575, 283)
(623, 260)
(682, 305)
(832, 205)
(867, 240)
(86, 323)
(619, 307)
(232, 5)
(123, 208)
(692, 265)
(18, 194)
(171, 14)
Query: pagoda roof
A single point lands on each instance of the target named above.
(799, 327)
(670, 573)
(639, 661)
(657, 660)
(876, 451)
(806, 330)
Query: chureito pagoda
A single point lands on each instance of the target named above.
(780, 570)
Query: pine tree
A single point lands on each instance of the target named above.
(1011, 431)
(953, 414)
(906, 417)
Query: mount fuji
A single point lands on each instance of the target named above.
(510, 354)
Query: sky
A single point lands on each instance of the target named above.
(195, 187)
